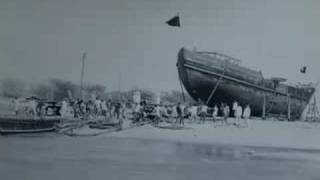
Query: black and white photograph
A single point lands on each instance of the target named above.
(159, 90)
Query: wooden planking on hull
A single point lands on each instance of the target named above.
(14, 125)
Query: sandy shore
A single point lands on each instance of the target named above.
(301, 135)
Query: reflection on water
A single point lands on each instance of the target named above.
(58, 157)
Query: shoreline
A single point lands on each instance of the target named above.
(273, 134)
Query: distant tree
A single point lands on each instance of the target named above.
(63, 89)
(147, 95)
(176, 96)
(113, 95)
(96, 89)
(144, 93)
(128, 95)
(12, 88)
(43, 91)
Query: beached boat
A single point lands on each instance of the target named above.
(216, 78)
(105, 125)
(16, 124)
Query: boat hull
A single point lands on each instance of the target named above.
(14, 125)
(200, 81)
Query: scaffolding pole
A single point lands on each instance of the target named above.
(264, 106)
(289, 106)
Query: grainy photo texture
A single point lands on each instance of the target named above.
(157, 90)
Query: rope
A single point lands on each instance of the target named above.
(184, 99)
(216, 86)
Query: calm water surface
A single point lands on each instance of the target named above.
(53, 157)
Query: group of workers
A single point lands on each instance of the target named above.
(118, 110)
(93, 108)
(69, 108)
(196, 113)
(24, 106)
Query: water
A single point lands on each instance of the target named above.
(54, 157)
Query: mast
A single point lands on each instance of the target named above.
(119, 81)
(83, 57)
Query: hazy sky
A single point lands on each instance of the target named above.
(128, 38)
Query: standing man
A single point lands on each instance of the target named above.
(136, 113)
(104, 108)
(97, 106)
(82, 108)
(203, 112)
(64, 108)
(33, 107)
(238, 115)
(193, 110)
(75, 108)
(226, 113)
(117, 110)
(123, 109)
(234, 108)
(157, 117)
(215, 113)
(246, 115)
(16, 104)
(91, 107)
(179, 113)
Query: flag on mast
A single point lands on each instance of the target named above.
(175, 21)
(303, 69)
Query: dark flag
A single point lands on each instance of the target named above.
(303, 69)
(175, 21)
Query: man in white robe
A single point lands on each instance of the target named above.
(238, 115)
(246, 115)
(64, 108)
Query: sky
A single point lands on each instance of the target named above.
(128, 44)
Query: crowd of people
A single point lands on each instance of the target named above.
(197, 113)
(93, 108)
(175, 113)
(70, 108)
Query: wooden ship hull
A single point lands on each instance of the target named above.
(215, 78)
(17, 125)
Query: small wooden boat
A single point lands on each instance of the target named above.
(104, 125)
(18, 124)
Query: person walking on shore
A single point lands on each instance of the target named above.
(117, 110)
(157, 112)
(234, 108)
(75, 108)
(179, 114)
(214, 113)
(238, 115)
(82, 108)
(64, 108)
(109, 106)
(123, 109)
(104, 108)
(163, 112)
(193, 110)
(137, 114)
(246, 115)
(203, 112)
(97, 106)
(16, 104)
(226, 113)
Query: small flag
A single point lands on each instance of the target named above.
(175, 21)
(84, 55)
(303, 69)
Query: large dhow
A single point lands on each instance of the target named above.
(214, 78)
